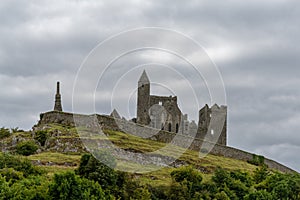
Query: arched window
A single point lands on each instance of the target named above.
(177, 127)
(170, 127)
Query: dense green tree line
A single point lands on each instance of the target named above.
(19, 179)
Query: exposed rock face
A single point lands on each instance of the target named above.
(115, 114)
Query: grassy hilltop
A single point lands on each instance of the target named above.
(56, 151)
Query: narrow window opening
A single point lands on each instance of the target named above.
(170, 127)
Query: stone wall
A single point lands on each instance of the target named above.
(107, 122)
(213, 124)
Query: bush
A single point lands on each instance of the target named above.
(93, 169)
(141, 193)
(11, 174)
(4, 132)
(222, 196)
(15, 130)
(26, 148)
(22, 165)
(35, 187)
(260, 174)
(70, 186)
(4, 188)
(221, 177)
(257, 160)
(41, 137)
(189, 180)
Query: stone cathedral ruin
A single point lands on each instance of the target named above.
(161, 115)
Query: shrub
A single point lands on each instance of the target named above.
(15, 130)
(4, 132)
(70, 186)
(260, 174)
(244, 177)
(221, 177)
(257, 160)
(4, 188)
(41, 137)
(34, 187)
(26, 148)
(141, 193)
(189, 180)
(22, 165)
(93, 169)
(11, 174)
(222, 196)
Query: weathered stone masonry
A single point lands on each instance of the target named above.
(108, 122)
(163, 113)
(162, 109)
(57, 105)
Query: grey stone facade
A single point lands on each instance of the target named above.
(156, 111)
(212, 125)
(163, 113)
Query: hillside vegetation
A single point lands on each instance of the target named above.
(54, 165)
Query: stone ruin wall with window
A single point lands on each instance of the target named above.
(163, 112)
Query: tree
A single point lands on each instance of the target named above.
(26, 148)
(189, 180)
(41, 137)
(91, 168)
(67, 186)
(4, 188)
(4, 132)
(22, 165)
(34, 187)
(260, 194)
(141, 193)
(260, 174)
(222, 196)
(221, 177)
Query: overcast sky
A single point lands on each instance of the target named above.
(255, 45)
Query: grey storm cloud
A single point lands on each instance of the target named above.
(255, 45)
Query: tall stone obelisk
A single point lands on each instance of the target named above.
(57, 105)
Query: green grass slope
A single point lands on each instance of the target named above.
(63, 149)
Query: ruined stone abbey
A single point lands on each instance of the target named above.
(163, 113)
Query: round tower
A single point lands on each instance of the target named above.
(143, 99)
